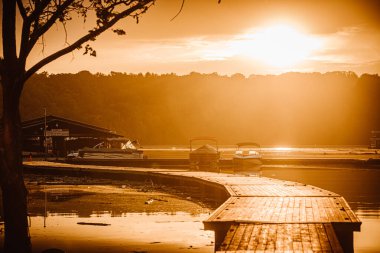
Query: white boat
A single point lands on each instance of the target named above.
(112, 149)
(247, 156)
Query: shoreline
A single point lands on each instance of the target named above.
(84, 194)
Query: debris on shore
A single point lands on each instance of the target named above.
(93, 223)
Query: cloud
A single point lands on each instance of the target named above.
(351, 45)
(350, 48)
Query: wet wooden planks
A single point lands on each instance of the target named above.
(284, 210)
(229, 179)
(248, 237)
(276, 189)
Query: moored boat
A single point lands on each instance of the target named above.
(247, 156)
(112, 149)
(205, 157)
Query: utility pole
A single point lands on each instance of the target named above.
(45, 141)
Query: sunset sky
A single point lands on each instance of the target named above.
(236, 36)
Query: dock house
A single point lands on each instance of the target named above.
(60, 136)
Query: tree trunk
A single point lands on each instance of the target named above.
(16, 238)
(14, 192)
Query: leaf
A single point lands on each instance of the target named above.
(119, 31)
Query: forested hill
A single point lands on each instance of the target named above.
(336, 108)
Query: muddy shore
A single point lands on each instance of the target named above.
(87, 195)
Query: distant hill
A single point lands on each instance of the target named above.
(335, 108)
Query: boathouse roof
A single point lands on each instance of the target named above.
(67, 127)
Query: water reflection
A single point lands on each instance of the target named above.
(153, 232)
(367, 241)
(86, 201)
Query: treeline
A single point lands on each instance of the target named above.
(335, 108)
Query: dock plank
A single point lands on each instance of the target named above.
(292, 210)
(279, 190)
(295, 237)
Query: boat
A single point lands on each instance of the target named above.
(206, 157)
(111, 149)
(247, 156)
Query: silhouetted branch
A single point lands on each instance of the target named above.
(8, 29)
(43, 44)
(24, 40)
(39, 8)
(180, 10)
(144, 5)
(44, 28)
(22, 10)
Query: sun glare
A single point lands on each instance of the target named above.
(280, 46)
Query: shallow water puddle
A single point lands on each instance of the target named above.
(130, 232)
(115, 219)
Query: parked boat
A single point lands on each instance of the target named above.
(247, 156)
(206, 157)
(112, 149)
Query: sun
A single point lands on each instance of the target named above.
(280, 45)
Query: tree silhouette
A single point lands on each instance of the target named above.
(170, 109)
(37, 18)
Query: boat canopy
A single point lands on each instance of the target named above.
(203, 139)
(251, 144)
(205, 149)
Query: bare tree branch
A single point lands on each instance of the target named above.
(39, 32)
(24, 41)
(25, 46)
(40, 6)
(65, 30)
(90, 36)
(8, 33)
(22, 10)
(23, 54)
(43, 45)
(180, 10)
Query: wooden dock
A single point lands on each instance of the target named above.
(251, 237)
(260, 214)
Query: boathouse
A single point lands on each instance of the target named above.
(60, 136)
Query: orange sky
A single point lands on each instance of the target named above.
(236, 36)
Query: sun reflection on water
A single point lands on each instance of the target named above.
(152, 232)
